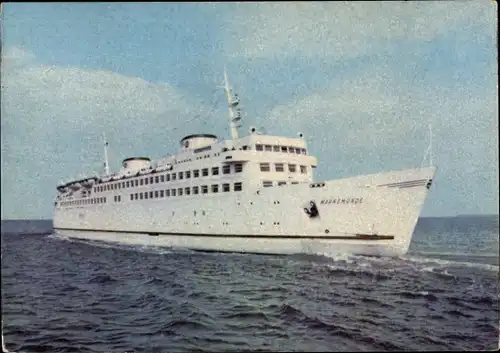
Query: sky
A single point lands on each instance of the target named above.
(361, 80)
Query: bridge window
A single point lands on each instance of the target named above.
(276, 148)
(181, 175)
(195, 190)
(238, 186)
(187, 191)
(264, 167)
(215, 171)
(162, 194)
(281, 183)
(204, 189)
(204, 171)
(226, 169)
(283, 149)
(146, 181)
(215, 188)
(156, 194)
(167, 193)
(279, 167)
(292, 168)
(167, 177)
(303, 151)
(151, 180)
(157, 179)
(225, 187)
(196, 173)
(141, 195)
(267, 184)
(303, 169)
(174, 176)
(173, 192)
(238, 168)
(188, 174)
(297, 150)
(179, 191)
(259, 147)
(162, 178)
(268, 148)
(202, 149)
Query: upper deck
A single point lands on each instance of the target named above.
(246, 164)
(238, 164)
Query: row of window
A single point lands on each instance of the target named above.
(268, 183)
(280, 167)
(283, 149)
(195, 190)
(226, 169)
(258, 147)
(93, 201)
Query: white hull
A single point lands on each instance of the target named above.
(270, 221)
(254, 245)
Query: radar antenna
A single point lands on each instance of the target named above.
(106, 163)
(234, 111)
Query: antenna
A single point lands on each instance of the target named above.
(106, 163)
(429, 148)
(234, 112)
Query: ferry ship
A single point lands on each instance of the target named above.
(249, 194)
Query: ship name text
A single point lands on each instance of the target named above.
(351, 200)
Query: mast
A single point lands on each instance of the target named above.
(234, 112)
(429, 148)
(106, 163)
(430, 144)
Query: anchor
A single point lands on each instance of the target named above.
(312, 210)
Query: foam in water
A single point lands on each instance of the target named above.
(443, 263)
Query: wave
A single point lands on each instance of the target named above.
(362, 270)
(177, 324)
(437, 253)
(416, 295)
(450, 263)
(102, 279)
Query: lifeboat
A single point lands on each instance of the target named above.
(164, 168)
(75, 186)
(107, 178)
(87, 183)
(144, 171)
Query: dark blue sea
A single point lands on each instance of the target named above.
(60, 295)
